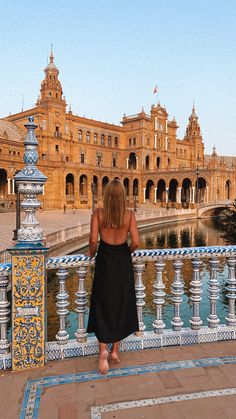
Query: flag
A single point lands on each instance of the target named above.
(155, 89)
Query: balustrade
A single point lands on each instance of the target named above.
(198, 331)
(81, 302)
(62, 304)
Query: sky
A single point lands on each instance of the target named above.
(111, 54)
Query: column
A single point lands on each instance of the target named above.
(167, 195)
(179, 195)
(155, 140)
(144, 195)
(193, 194)
(155, 195)
(13, 186)
(136, 163)
(28, 256)
(127, 163)
(8, 186)
(207, 194)
(155, 122)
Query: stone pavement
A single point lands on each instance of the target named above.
(54, 220)
(185, 382)
(50, 221)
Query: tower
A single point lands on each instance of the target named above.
(193, 129)
(193, 135)
(51, 89)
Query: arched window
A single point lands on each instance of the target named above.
(80, 135)
(109, 141)
(102, 139)
(87, 137)
(116, 141)
(95, 138)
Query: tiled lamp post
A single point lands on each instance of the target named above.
(28, 266)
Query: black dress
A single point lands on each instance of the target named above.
(113, 312)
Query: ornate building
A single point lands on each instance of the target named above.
(143, 152)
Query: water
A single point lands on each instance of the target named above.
(174, 235)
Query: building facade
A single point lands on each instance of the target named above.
(143, 152)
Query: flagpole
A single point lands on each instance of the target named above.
(155, 91)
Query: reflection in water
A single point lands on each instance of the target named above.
(172, 235)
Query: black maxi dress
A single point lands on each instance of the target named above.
(113, 311)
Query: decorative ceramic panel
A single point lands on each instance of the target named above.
(28, 312)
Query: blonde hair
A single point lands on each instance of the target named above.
(114, 204)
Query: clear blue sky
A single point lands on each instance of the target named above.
(112, 53)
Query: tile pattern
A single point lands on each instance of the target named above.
(149, 340)
(28, 322)
(33, 391)
(97, 411)
(187, 252)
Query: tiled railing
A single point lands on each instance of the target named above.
(159, 335)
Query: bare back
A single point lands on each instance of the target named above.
(113, 236)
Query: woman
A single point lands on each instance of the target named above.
(113, 312)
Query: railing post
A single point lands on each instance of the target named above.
(4, 313)
(81, 302)
(231, 291)
(213, 289)
(28, 266)
(196, 290)
(159, 296)
(62, 304)
(177, 290)
(140, 295)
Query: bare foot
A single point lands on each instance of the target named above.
(103, 366)
(115, 357)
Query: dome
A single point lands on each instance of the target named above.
(10, 131)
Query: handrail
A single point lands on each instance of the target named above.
(150, 254)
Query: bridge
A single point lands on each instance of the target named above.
(212, 209)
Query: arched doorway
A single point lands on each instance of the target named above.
(83, 187)
(201, 190)
(135, 187)
(173, 191)
(186, 192)
(161, 191)
(149, 190)
(105, 181)
(132, 163)
(147, 161)
(3, 183)
(69, 187)
(95, 181)
(126, 186)
(227, 189)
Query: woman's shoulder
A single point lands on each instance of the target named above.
(130, 212)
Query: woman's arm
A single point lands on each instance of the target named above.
(134, 234)
(93, 238)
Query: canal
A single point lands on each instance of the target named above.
(172, 235)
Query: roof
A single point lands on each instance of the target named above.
(10, 131)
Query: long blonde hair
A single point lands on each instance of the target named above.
(114, 204)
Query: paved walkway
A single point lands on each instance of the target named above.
(54, 220)
(194, 382)
(50, 221)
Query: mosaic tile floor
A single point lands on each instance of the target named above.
(34, 388)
